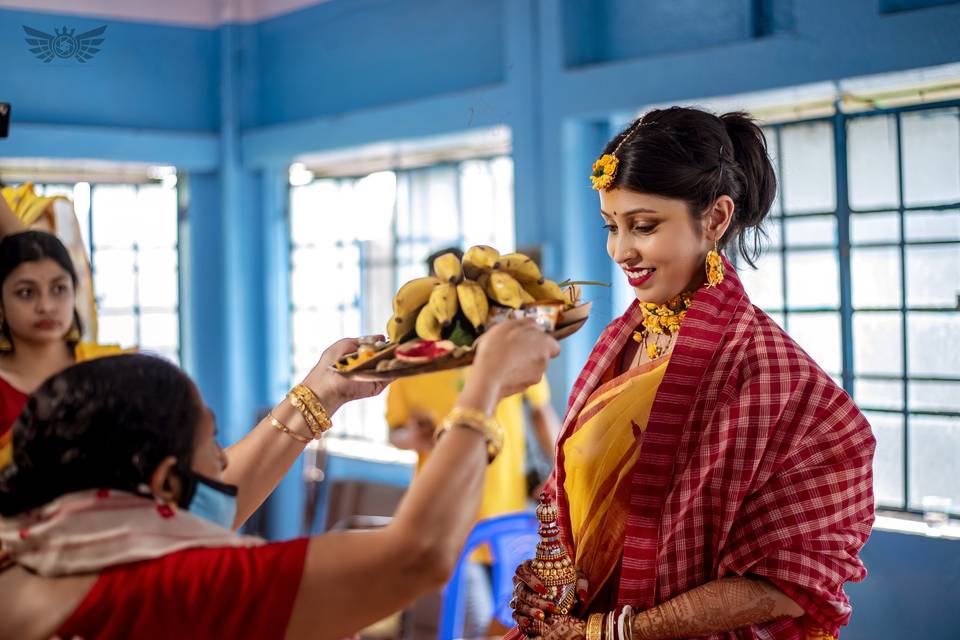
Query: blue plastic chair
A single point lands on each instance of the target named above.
(512, 539)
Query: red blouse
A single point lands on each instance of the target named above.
(11, 403)
(225, 592)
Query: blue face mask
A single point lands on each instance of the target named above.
(211, 500)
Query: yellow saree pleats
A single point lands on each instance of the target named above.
(598, 462)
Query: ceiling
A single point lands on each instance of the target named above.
(199, 13)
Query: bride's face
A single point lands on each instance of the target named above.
(656, 243)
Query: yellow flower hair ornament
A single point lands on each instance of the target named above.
(604, 171)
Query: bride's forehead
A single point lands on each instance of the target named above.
(622, 202)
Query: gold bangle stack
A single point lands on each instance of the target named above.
(308, 404)
(489, 428)
(279, 426)
(595, 627)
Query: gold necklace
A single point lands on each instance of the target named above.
(661, 320)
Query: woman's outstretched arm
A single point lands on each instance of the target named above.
(257, 463)
(352, 579)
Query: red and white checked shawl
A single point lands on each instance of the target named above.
(753, 462)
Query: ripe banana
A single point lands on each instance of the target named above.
(428, 327)
(399, 326)
(443, 302)
(548, 291)
(479, 259)
(448, 268)
(413, 295)
(521, 267)
(473, 301)
(504, 289)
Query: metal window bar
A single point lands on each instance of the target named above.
(137, 309)
(397, 242)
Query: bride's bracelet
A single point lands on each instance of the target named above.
(616, 625)
(625, 623)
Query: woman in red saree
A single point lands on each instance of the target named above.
(116, 512)
(712, 481)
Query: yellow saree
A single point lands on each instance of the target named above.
(599, 459)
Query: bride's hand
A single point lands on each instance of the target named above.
(529, 604)
(333, 389)
(562, 628)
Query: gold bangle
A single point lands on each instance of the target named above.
(308, 417)
(312, 402)
(279, 426)
(595, 627)
(308, 404)
(489, 428)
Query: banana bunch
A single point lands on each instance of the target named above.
(429, 305)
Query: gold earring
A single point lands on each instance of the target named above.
(714, 266)
(5, 345)
(74, 334)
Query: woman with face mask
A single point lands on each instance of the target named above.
(711, 479)
(115, 514)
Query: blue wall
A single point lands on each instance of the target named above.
(146, 76)
(911, 590)
(329, 59)
(233, 106)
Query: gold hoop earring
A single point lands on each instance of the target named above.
(714, 266)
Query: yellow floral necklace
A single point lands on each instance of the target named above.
(661, 321)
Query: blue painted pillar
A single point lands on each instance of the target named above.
(285, 508)
(240, 234)
(256, 239)
(583, 250)
(203, 351)
(235, 257)
(522, 69)
(222, 259)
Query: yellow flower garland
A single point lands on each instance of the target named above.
(662, 319)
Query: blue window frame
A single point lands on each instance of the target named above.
(132, 240)
(354, 240)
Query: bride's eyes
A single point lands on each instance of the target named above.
(643, 228)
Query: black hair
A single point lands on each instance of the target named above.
(696, 156)
(32, 246)
(436, 254)
(100, 424)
